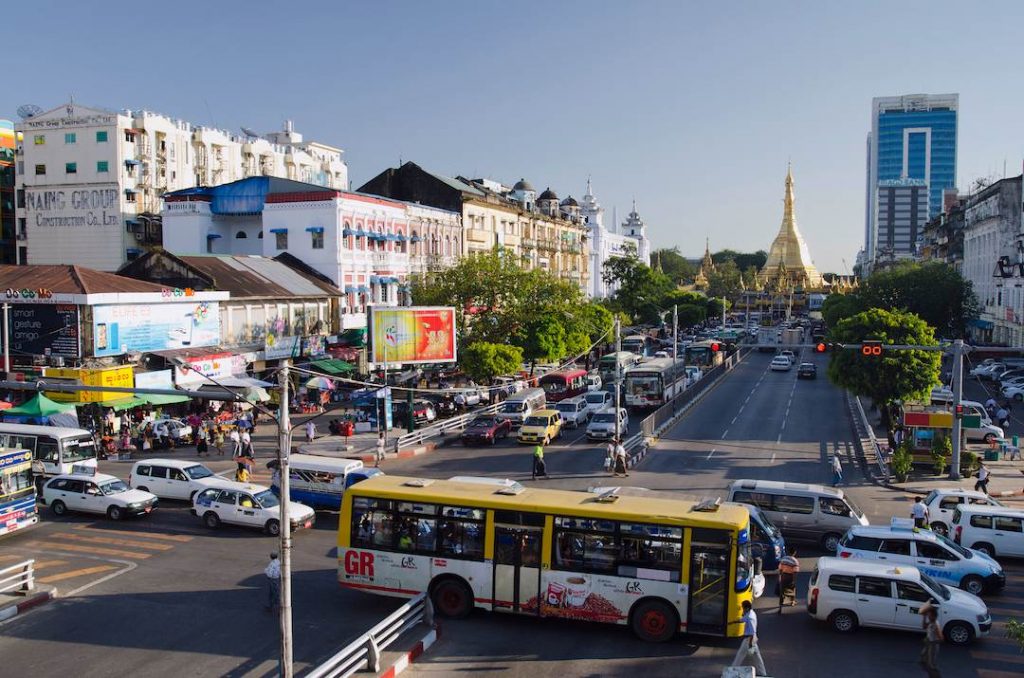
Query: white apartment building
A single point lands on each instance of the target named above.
(90, 180)
(366, 245)
(607, 243)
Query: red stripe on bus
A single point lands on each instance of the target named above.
(371, 587)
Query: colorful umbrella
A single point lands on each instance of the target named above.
(320, 383)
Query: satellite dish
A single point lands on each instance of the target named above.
(26, 111)
(248, 132)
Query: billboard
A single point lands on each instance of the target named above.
(122, 376)
(39, 329)
(154, 327)
(412, 334)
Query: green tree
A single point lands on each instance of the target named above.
(838, 307)
(678, 268)
(724, 281)
(898, 374)
(483, 360)
(543, 339)
(935, 291)
(743, 260)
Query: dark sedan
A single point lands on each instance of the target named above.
(807, 371)
(486, 430)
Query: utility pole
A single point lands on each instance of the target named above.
(7, 341)
(958, 390)
(618, 374)
(284, 449)
(675, 333)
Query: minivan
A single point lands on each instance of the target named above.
(802, 511)
(172, 478)
(852, 593)
(574, 411)
(602, 424)
(519, 406)
(992, 530)
(543, 426)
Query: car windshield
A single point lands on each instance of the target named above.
(596, 398)
(483, 422)
(113, 487)
(198, 471)
(935, 587)
(931, 497)
(856, 509)
(513, 407)
(607, 417)
(566, 407)
(966, 553)
(766, 524)
(266, 499)
(536, 421)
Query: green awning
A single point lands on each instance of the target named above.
(332, 366)
(163, 399)
(123, 403)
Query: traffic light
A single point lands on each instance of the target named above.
(826, 347)
(715, 347)
(959, 412)
(871, 347)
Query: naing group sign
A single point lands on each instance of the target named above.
(412, 334)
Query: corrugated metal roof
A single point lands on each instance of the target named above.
(64, 279)
(456, 184)
(255, 276)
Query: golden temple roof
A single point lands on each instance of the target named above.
(789, 256)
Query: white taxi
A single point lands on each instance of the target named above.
(248, 505)
(91, 492)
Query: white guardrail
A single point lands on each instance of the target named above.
(19, 577)
(881, 458)
(364, 651)
(440, 428)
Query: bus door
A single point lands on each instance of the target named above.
(709, 581)
(517, 568)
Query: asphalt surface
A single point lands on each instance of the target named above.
(181, 600)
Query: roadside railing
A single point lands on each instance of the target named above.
(440, 428)
(881, 458)
(18, 577)
(364, 652)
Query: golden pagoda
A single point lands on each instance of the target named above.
(707, 267)
(789, 262)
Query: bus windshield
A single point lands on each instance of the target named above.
(644, 382)
(79, 449)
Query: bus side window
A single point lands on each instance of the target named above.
(47, 450)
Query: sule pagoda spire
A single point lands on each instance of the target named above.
(789, 261)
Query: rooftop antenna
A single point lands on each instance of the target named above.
(26, 111)
(249, 132)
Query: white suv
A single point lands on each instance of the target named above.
(96, 493)
(250, 506)
(172, 478)
(942, 503)
(992, 530)
(574, 411)
(856, 593)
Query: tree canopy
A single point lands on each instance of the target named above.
(483, 360)
(678, 268)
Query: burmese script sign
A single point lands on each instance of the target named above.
(56, 208)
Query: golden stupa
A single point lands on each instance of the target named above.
(789, 262)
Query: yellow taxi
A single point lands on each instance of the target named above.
(542, 427)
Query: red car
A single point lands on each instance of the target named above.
(486, 430)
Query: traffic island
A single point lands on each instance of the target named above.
(13, 604)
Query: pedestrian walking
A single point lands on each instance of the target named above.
(932, 639)
(609, 459)
(381, 443)
(990, 405)
(919, 512)
(201, 445)
(218, 440)
(982, 484)
(273, 574)
(310, 431)
(789, 568)
(236, 442)
(837, 470)
(1003, 416)
(539, 467)
(749, 650)
(621, 458)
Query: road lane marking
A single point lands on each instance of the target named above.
(778, 441)
(772, 459)
(709, 454)
(77, 548)
(725, 434)
(734, 419)
(136, 533)
(116, 541)
(9, 557)
(75, 573)
(43, 564)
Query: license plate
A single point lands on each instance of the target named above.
(148, 509)
(308, 524)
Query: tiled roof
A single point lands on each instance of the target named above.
(65, 279)
(255, 276)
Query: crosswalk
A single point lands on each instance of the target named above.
(998, 656)
(78, 555)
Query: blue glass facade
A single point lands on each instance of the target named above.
(942, 126)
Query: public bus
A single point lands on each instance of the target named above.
(55, 449)
(563, 384)
(17, 493)
(654, 383)
(657, 565)
(639, 344)
(609, 365)
(700, 353)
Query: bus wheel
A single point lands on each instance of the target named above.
(654, 621)
(452, 598)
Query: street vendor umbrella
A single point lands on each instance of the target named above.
(39, 407)
(320, 383)
(4, 405)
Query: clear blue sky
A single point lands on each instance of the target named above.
(691, 108)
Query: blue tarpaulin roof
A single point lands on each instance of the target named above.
(247, 196)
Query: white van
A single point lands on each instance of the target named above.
(944, 501)
(574, 411)
(594, 382)
(802, 511)
(518, 407)
(172, 478)
(602, 424)
(852, 593)
(597, 401)
(992, 530)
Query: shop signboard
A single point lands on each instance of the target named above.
(314, 346)
(41, 329)
(204, 368)
(122, 376)
(286, 346)
(413, 334)
(117, 329)
(156, 379)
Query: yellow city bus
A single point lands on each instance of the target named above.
(658, 565)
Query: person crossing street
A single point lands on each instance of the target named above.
(539, 468)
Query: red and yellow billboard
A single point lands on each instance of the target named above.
(412, 334)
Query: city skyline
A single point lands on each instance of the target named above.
(692, 112)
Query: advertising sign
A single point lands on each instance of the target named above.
(214, 366)
(117, 377)
(41, 330)
(282, 347)
(154, 327)
(157, 379)
(412, 334)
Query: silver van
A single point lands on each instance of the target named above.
(519, 406)
(802, 511)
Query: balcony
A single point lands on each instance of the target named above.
(529, 243)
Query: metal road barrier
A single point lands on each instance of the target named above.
(364, 652)
(19, 577)
(865, 430)
(450, 424)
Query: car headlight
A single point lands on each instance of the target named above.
(982, 618)
(135, 505)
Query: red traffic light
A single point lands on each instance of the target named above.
(959, 411)
(715, 347)
(871, 347)
(820, 347)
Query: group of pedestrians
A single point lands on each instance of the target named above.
(999, 412)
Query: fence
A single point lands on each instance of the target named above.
(19, 577)
(866, 432)
(364, 651)
(459, 422)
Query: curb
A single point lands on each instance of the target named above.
(404, 661)
(391, 456)
(36, 600)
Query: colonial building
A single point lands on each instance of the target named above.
(8, 239)
(364, 244)
(538, 229)
(90, 180)
(606, 242)
(789, 263)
